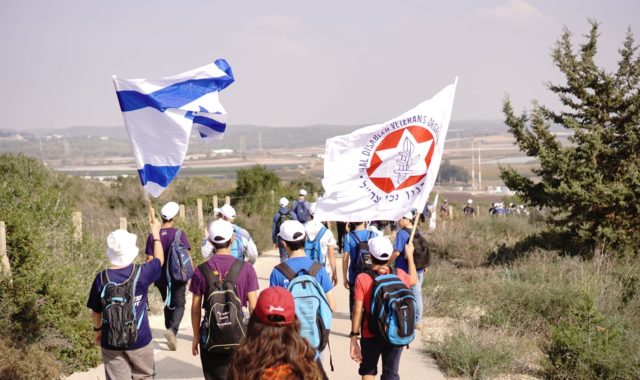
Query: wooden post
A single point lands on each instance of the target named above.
(450, 212)
(200, 214)
(215, 202)
(77, 226)
(5, 266)
(183, 213)
(273, 196)
(227, 200)
(123, 223)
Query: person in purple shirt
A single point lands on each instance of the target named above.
(137, 359)
(215, 366)
(174, 307)
(402, 239)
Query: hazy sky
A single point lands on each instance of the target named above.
(296, 62)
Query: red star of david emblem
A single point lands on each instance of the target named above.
(401, 159)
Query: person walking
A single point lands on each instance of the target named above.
(402, 261)
(273, 348)
(300, 207)
(220, 273)
(176, 291)
(118, 301)
(357, 235)
(371, 347)
(316, 230)
(293, 236)
(283, 214)
(468, 209)
(243, 246)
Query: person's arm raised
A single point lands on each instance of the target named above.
(413, 273)
(158, 251)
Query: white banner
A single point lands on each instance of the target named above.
(382, 171)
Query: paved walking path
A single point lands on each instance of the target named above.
(181, 364)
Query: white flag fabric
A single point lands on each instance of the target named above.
(434, 208)
(160, 114)
(382, 171)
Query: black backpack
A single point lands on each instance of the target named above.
(223, 325)
(421, 254)
(282, 218)
(363, 261)
(119, 321)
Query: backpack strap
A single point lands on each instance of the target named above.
(314, 269)
(233, 273)
(175, 242)
(320, 234)
(212, 279)
(373, 274)
(358, 241)
(137, 269)
(286, 270)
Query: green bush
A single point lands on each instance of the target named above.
(44, 303)
(535, 292)
(587, 345)
(474, 354)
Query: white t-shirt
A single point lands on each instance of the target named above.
(312, 228)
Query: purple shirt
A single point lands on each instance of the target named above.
(246, 282)
(166, 238)
(150, 272)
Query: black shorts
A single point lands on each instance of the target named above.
(371, 350)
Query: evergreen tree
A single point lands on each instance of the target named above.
(592, 183)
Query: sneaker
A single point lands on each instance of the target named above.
(171, 339)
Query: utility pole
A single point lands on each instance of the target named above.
(473, 168)
(479, 169)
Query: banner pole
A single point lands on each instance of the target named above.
(416, 219)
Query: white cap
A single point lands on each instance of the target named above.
(408, 215)
(220, 231)
(284, 202)
(121, 248)
(380, 248)
(312, 208)
(169, 210)
(227, 211)
(292, 230)
(302, 192)
(469, 201)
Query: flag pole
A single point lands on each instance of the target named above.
(415, 226)
(151, 212)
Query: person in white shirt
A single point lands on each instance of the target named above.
(327, 242)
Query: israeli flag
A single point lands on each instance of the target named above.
(160, 114)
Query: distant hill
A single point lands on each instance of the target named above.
(84, 141)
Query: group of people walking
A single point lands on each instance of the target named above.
(281, 332)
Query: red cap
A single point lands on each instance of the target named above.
(275, 307)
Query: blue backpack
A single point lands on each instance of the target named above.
(237, 248)
(312, 306)
(178, 260)
(179, 266)
(313, 248)
(301, 209)
(393, 309)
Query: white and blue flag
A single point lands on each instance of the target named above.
(160, 114)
